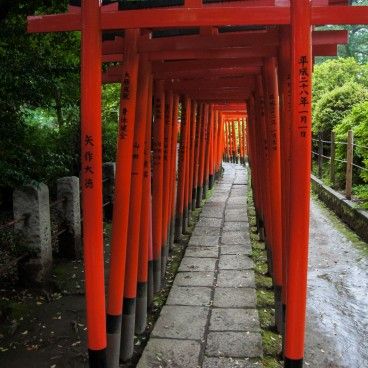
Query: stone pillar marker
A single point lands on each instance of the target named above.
(108, 173)
(68, 196)
(31, 202)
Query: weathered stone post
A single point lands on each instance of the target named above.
(68, 196)
(108, 169)
(31, 203)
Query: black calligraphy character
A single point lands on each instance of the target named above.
(303, 101)
(88, 183)
(88, 156)
(303, 60)
(88, 169)
(303, 72)
(88, 140)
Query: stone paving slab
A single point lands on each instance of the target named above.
(229, 363)
(189, 295)
(230, 319)
(236, 216)
(204, 252)
(170, 353)
(183, 322)
(204, 240)
(235, 298)
(207, 221)
(197, 264)
(235, 237)
(211, 212)
(240, 212)
(206, 230)
(235, 262)
(234, 344)
(235, 206)
(235, 249)
(236, 278)
(242, 226)
(194, 278)
(210, 318)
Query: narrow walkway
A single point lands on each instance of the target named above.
(337, 312)
(210, 318)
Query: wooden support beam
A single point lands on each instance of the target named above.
(198, 17)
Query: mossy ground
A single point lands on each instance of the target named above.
(272, 341)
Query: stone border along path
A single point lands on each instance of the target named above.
(210, 318)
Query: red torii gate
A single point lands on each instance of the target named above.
(287, 164)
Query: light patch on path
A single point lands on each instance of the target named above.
(337, 310)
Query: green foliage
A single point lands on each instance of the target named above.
(336, 73)
(40, 98)
(110, 117)
(333, 106)
(357, 121)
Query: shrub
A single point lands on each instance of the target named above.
(335, 105)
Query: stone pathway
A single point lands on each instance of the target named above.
(210, 318)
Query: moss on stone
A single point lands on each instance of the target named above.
(263, 282)
(269, 362)
(272, 343)
(267, 318)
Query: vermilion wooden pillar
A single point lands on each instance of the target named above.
(268, 212)
(157, 182)
(204, 123)
(132, 255)
(226, 141)
(230, 141)
(211, 170)
(273, 130)
(220, 141)
(91, 155)
(182, 168)
(207, 150)
(233, 142)
(148, 181)
(169, 102)
(122, 194)
(197, 152)
(240, 138)
(216, 143)
(188, 115)
(193, 134)
(285, 119)
(254, 153)
(145, 267)
(172, 173)
(301, 93)
(263, 164)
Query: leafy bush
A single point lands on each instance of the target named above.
(110, 117)
(333, 106)
(357, 121)
(336, 73)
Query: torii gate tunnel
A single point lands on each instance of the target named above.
(242, 73)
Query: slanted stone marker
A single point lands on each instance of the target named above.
(68, 195)
(31, 203)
